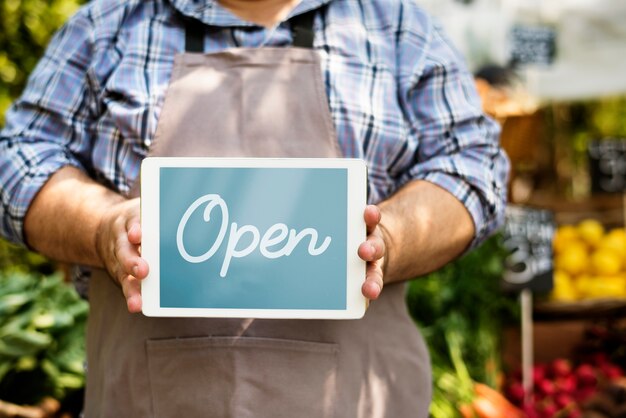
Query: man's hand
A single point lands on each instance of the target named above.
(373, 251)
(118, 241)
(76, 220)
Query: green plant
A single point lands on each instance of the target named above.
(15, 258)
(25, 29)
(42, 326)
(460, 310)
(42, 319)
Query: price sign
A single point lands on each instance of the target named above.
(607, 165)
(533, 45)
(528, 236)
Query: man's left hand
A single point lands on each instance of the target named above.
(373, 250)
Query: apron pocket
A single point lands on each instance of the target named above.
(242, 377)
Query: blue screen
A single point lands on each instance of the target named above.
(253, 238)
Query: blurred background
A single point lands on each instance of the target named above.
(552, 72)
(547, 292)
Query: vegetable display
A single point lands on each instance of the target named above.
(42, 326)
(460, 311)
(568, 390)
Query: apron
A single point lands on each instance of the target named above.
(244, 102)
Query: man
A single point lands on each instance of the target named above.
(396, 95)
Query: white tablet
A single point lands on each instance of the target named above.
(253, 237)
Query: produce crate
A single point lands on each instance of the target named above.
(606, 208)
(588, 309)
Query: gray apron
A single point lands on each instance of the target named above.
(266, 102)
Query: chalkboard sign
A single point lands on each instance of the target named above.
(528, 236)
(532, 45)
(607, 165)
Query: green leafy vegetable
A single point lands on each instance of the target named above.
(460, 310)
(42, 326)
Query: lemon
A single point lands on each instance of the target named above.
(583, 285)
(605, 262)
(573, 258)
(564, 235)
(561, 277)
(606, 287)
(591, 231)
(615, 241)
(564, 288)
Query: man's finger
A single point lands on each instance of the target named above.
(134, 232)
(140, 271)
(373, 249)
(131, 288)
(373, 285)
(372, 217)
(127, 255)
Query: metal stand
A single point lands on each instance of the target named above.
(526, 299)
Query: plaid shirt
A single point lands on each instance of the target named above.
(399, 94)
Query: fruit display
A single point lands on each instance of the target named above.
(589, 262)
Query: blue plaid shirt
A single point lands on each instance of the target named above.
(400, 97)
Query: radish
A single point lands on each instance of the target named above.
(563, 400)
(584, 393)
(530, 412)
(566, 384)
(516, 392)
(546, 387)
(561, 367)
(539, 373)
(611, 371)
(548, 409)
(586, 375)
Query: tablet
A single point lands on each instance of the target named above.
(253, 237)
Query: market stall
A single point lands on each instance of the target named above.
(562, 112)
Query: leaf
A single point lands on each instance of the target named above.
(9, 304)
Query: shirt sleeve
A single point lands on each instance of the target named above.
(47, 128)
(458, 145)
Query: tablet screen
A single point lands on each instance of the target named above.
(253, 238)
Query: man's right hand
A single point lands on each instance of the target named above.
(76, 220)
(118, 243)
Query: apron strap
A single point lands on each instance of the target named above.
(302, 29)
(301, 32)
(194, 36)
